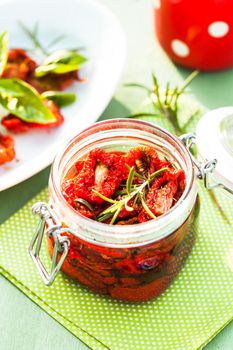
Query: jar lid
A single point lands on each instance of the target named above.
(214, 138)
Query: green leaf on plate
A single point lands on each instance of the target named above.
(60, 98)
(61, 62)
(20, 99)
(4, 39)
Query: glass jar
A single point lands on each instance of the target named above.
(130, 262)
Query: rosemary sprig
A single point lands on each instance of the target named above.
(55, 40)
(33, 36)
(166, 104)
(166, 101)
(130, 181)
(136, 173)
(132, 191)
(146, 208)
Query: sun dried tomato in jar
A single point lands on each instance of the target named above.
(123, 210)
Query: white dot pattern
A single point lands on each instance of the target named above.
(218, 29)
(180, 48)
(196, 306)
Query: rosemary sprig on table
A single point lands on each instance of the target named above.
(166, 101)
(138, 191)
(166, 104)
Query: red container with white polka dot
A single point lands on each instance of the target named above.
(196, 34)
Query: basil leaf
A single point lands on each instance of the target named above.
(60, 98)
(4, 38)
(20, 99)
(55, 68)
(61, 62)
(66, 57)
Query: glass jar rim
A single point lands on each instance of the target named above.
(121, 232)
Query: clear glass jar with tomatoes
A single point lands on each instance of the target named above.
(123, 209)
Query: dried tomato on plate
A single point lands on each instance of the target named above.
(7, 150)
(19, 65)
(55, 82)
(16, 125)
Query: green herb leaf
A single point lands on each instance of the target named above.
(157, 173)
(104, 197)
(4, 38)
(20, 99)
(61, 62)
(60, 98)
(137, 85)
(146, 208)
(135, 199)
(115, 216)
(130, 180)
(102, 218)
(56, 40)
(166, 101)
(32, 34)
(112, 208)
(136, 192)
(120, 193)
(136, 173)
(139, 115)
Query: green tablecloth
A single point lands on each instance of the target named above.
(31, 327)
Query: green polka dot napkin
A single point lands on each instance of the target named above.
(196, 307)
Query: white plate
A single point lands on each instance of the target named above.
(85, 23)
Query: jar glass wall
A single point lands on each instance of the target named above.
(130, 262)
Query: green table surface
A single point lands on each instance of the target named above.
(23, 325)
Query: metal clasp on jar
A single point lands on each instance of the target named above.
(50, 226)
(204, 169)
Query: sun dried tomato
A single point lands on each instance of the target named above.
(79, 165)
(54, 82)
(145, 160)
(19, 65)
(103, 172)
(164, 192)
(7, 151)
(159, 201)
(16, 125)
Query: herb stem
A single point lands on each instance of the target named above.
(188, 80)
(166, 101)
(33, 37)
(117, 205)
(55, 41)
